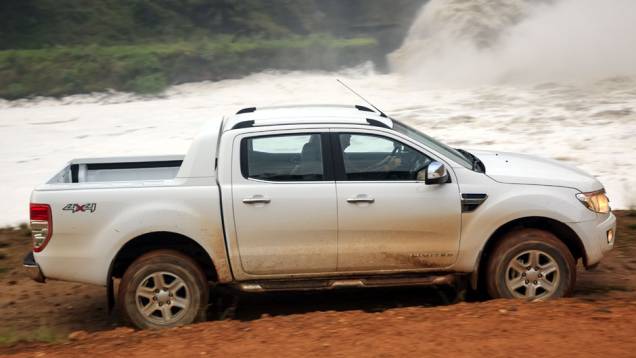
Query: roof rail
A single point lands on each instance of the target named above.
(376, 123)
(247, 110)
(363, 108)
(244, 124)
(253, 109)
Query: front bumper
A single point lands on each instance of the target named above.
(593, 235)
(32, 268)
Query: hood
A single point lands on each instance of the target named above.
(515, 168)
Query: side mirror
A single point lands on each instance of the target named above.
(434, 173)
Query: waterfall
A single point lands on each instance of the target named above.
(460, 42)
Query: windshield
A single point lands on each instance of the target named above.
(433, 144)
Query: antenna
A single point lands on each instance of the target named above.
(364, 99)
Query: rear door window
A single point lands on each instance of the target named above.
(283, 158)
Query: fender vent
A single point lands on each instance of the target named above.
(470, 202)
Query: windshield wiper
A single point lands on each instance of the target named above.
(477, 164)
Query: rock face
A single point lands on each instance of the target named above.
(43, 23)
(386, 21)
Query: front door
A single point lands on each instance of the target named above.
(284, 200)
(387, 220)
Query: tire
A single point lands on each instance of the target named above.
(163, 289)
(530, 264)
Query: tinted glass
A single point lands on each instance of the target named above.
(433, 144)
(283, 158)
(368, 157)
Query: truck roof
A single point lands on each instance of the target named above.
(197, 162)
(305, 114)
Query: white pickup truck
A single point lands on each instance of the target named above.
(314, 197)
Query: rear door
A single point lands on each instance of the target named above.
(284, 200)
(387, 220)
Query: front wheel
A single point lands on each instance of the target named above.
(530, 264)
(162, 289)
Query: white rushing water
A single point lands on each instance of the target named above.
(587, 120)
(463, 42)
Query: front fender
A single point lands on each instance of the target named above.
(509, 202)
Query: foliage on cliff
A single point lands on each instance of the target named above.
(60, 47)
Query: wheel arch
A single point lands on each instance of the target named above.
(562, 231)
(142, 244)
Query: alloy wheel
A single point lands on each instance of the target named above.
(162, 297)
(532, 274)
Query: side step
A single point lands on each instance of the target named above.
(334, 283)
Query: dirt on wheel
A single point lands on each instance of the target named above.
(68, 319)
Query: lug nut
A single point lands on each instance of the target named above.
(157, 291)
(540, 275)
(523, 274)
(535, 282)
(527, 282)
(160, 304)
(168, 302)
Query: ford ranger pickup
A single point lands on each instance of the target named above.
(314, 197)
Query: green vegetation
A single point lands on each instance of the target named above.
(33, 24)
(61, 47)
(41, 334)
(150, 68)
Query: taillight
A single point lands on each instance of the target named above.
(41, 225)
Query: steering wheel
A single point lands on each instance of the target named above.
(394, 154)
(419, 164)
(399, 149)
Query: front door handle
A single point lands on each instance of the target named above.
(361, 199)
(256, 199)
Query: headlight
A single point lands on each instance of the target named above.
(596, 201)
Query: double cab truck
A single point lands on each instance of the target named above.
(314, 197)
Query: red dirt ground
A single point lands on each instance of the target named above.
(598, 321)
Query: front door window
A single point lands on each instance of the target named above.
(375, 158)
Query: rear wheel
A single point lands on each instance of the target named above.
(530, 264)
(161, 289)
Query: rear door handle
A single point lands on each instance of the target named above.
(256, 199)
(361, 199)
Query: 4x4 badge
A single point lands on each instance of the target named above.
(74, 208)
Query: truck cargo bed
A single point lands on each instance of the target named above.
(119, 169)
